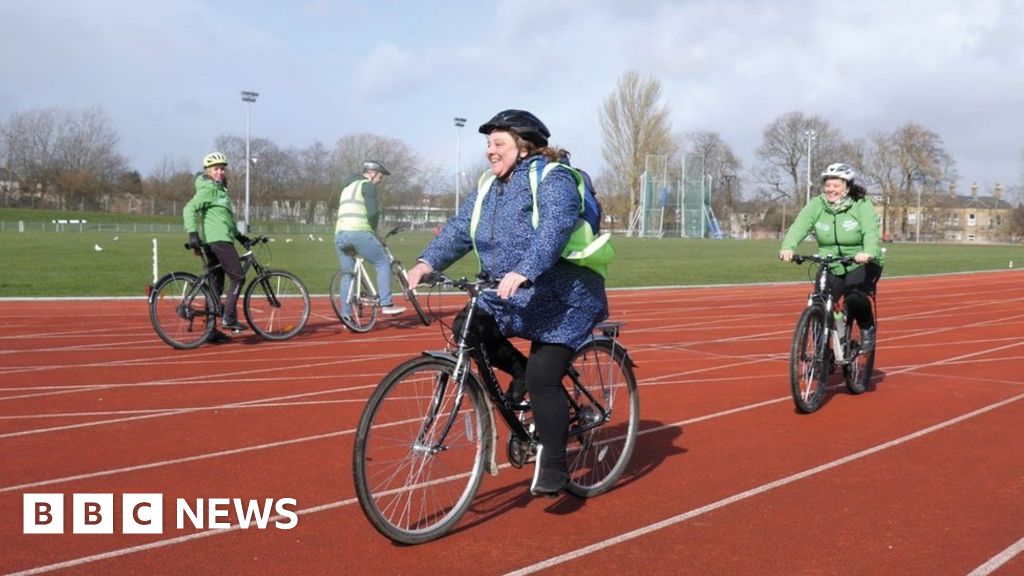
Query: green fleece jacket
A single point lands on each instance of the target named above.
(209, 211)
(842, 231)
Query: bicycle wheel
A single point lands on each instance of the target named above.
(363, 303)
(420, 450)
(809, 360)
(181, 315)
(410, 294)
(598, 456)
(335, 294)
(276, 305)
(858, 368)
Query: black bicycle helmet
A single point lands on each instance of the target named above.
(524, 123)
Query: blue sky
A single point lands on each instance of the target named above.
(168, 74)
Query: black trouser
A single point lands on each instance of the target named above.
(544, 370)
(856, 286)
(224, 253)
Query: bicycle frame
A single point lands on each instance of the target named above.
(462, 357)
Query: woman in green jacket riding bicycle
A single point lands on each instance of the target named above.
(844, 223)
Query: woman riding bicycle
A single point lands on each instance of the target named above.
(558, 310)
(844, 223)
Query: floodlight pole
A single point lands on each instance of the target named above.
(810, 134)
(459, 123)
(248, 98)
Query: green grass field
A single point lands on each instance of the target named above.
(47, 263)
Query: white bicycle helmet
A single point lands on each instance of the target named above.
(838, 170)
(214, 159)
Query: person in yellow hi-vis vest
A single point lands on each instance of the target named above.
(358, 214)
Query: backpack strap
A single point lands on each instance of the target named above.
(487, 179)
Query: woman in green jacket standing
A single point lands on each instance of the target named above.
(844, 223)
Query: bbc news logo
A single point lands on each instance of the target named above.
(144, 513)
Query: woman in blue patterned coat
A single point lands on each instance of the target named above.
(558, 309)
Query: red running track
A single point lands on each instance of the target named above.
(921, 475)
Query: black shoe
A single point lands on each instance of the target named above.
(235, 326)
(216, 337)
(548, 480)
(867, 340)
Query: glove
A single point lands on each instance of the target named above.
(244, 240)
(193, 241)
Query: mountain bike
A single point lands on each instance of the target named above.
(184, 308)
(364, 304)
(428, 434)
(826, 338)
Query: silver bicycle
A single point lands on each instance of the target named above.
(363, 300)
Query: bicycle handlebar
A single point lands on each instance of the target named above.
(829, 259)
(481, 283)
(252, 242)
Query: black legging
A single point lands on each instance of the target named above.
(224, 253)
(544, 370)
(856, 286)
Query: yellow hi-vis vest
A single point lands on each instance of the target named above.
(352, 209)
(583, 249)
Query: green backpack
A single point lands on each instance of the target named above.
(584, 247)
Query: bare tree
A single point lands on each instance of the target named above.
(722, 164)
(169, 186)
(910, 156)
(410, 179)
(71, 155)
(782, 158)
(634, 122)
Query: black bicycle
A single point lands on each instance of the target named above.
(364, 304)
(184, 308)
(826, 338)
(428, 431)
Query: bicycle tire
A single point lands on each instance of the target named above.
(276, 305)
(410, 294)
(858, 370)
(363, 303)
(335, 294)
(809, 360)
(174, 322)
(412, 491)
(598, 457)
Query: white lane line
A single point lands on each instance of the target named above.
(571, 555)
(999, 559)
(668, 522)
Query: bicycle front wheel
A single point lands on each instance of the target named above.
(858, 368)
(409, 293)
(809, 360)
(421, 450)
(276, 305)
(181, 315)
(598, 455)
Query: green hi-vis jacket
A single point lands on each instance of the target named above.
(209, 211)
(843, 231)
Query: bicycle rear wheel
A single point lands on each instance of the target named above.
(362, 303)
(181, 316)
(597, 457)
(276, 305)
(858, 369)
(420, 450)
(409, 293)
(809, 360)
